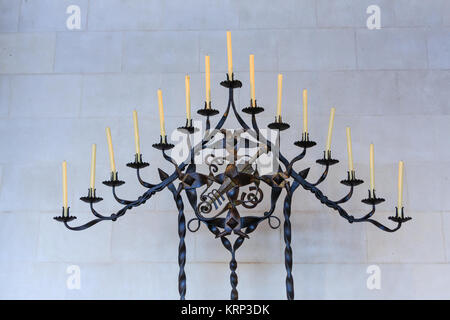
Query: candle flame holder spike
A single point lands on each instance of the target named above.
(217, 195)
(305, 142)
(278, 124)
(253, 109)
(163, 145)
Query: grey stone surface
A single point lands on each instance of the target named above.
(9, 15)
(59, 89)
(78, 52)
(391, 49)
(26, 52)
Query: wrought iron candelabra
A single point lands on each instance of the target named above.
(233, 182)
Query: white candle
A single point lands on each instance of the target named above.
(280, 88)
(111, 150)
(252, 79)
(136, 133)
(400, 186)
(349, 150)
(188, 97)
(64, 176)
(372, 169)
(161, 114)
(330, 129)
(305, 111)
(230, 55)
(207, 81)
(93, 156)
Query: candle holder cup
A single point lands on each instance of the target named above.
(163, 145)
(138, 163)
(253, 109)
(91, 197)
(305, 142)
(351, 180)
(372, 199)
(231, 83)
(278, 124)
(65, 216)
(114, 181)
(327, 160)
(399, 217)
(188, 128)
(207, 111)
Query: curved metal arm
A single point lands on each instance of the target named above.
(297, 158)
(346, 197)
(334, 205)
(142, 182)
(95, 213)
(381, 226)
(127, 205)
(84, 226)
(119, 200)
(323, 176)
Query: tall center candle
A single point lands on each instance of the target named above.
(230, 56)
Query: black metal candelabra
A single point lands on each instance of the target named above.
(221, 193)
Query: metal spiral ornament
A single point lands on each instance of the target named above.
(287, 241)
(181, 247)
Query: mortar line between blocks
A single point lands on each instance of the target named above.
(19, 18)
(275, 70)
(316, 14)
(9, 96)
(80, 107)
(122, 51)
(355, 40)
(427, 50)
(87, 15)
(54, 52)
